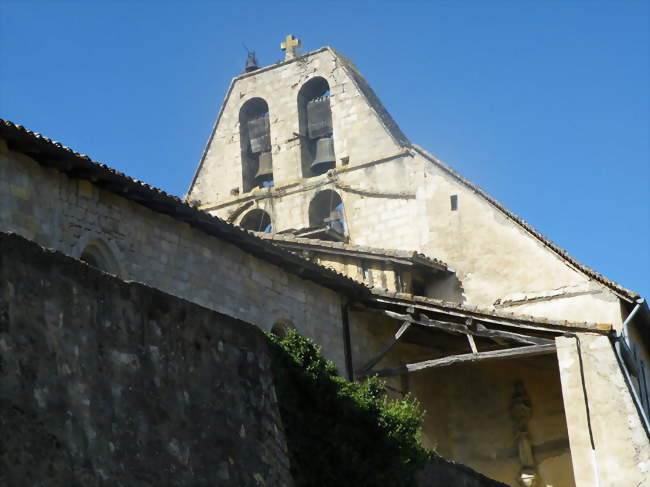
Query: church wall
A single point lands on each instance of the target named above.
(106, 382)
(492, 256)
(358, 133)
(609, 445)
(67, 214)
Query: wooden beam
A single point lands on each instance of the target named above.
(472, 344)
(529, 351)
(371, 363)
(459, 328)
(505, 321)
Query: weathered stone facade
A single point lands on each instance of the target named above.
(104, 382)
(162, 252)
(511, 291)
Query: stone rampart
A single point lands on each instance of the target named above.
(105, 382)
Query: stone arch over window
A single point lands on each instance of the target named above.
(326, 211)
(98, 254)
(281, 327)
(255, 140)
(257, 221)
(315, 126)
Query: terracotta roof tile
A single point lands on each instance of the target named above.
(410, 255)
(53, 154)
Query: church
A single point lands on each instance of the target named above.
(311, 210)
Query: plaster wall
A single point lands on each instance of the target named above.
(609, 445)
(67, 214)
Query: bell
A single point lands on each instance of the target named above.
(251, 62)
(265, 171)
(324, 159)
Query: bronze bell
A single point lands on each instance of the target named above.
(324, 159)
(251, 62)
(265, 170)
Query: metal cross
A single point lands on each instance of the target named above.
(290, 45)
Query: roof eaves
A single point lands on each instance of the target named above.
(412, 300)
(53, 154)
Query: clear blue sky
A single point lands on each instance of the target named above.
(544, 104)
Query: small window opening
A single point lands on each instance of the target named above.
(98, 255)
(315, 122)
(453, 199)
(255, 140)
(257, 221)
(419, 288)
(281, 328)
(327, 216)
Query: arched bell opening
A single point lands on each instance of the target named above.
(326, 217)
(255, 140)
(315, 125)
(257, 221)
(98, 255)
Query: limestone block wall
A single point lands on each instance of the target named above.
(104, 382)
(359, 134)
(608, 442)
(67, 214)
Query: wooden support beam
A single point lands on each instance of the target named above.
(472, 343)
(529, 351)
(477, 329)
(371, 363)
(505, 321)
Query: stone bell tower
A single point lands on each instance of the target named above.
(283, 133)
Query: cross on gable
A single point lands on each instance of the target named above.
(289, 46)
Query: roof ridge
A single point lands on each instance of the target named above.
(560, 252)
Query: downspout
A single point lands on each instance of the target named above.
(621, 348)
(347, 348)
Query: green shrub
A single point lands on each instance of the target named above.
(339, 432)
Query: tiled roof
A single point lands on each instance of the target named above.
(478, 312)
(53, 154)
(563, 254)
(325, 245)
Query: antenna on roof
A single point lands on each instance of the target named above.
(251, 60)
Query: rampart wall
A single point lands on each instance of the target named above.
(104, 382)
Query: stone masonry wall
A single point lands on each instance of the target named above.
(68, 214)
(104, 382)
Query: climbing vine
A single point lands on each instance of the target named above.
(339, 432)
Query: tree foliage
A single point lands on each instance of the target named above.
(339, 432)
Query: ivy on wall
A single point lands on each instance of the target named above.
(339, 432)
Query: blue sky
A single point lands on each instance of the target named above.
(544, 104)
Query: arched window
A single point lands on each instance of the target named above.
(257, 221)
(315, 125)
(326, 212)
(282, 327)
(97, 254)
(255, 140)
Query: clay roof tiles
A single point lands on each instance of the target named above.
(51, 153)
(410, 255)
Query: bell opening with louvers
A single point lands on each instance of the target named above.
(319, 118)
(258, 134)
